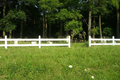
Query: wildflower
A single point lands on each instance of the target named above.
(85, 69)
(70, 66)
(92, 77)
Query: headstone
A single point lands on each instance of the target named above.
(33, 42)
(50, 42)
(15, 42)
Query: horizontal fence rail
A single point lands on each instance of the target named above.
(103, 41)
(39, 40)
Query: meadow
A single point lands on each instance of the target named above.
(52, 63)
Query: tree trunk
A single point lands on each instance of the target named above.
(94, 26)
(100, 19)
(61, 28)
(49, 31)
(21, 30)
(10, 34)
(4, 7)
(44, 25)
(45, 28)
(118, 21)
(34, 28)
(50, 24)
(3, 33)
(89, 23)
(67, 32)
(100, 25)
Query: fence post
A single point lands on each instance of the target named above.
(113, 41)
(89, 41)
(5, 42)
(39, 41)
(69, 41)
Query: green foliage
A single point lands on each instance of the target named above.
(115, 3)
(6, 25)
(95, 30)
(9, 26)
(71, 19)
(67, 12)
(21, 15)
(49, 5)
(74, 25)
(14, 14)
(64, 14)
(76, 14)
(99, 6)
(107, 31)
(8, 22)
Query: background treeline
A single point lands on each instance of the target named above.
(59, 18)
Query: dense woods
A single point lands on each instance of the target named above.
(59, 18)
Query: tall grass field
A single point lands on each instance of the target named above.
(52, 63)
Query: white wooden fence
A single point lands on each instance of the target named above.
(33, 43)
(103, 41)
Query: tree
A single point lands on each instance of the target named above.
(4, 7)
(8, 23)
(90, 19)
(116, 3)
(102, 9)
(10, 18)
(58, 15)
(72, 20)
(118, 20)
(88, 6)
(47, 6)
(98, 7)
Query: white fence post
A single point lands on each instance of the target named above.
(89, 41)
(69, 41)
(113, 41)
(39, 41)
(5, 42)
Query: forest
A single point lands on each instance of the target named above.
(59, 18)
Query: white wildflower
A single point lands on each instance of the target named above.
(70, 66)
(85, 69)
(92, 77)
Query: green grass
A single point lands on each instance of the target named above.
(51, 63)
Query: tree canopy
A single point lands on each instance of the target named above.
(58, 18)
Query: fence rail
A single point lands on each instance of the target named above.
(39, 40)
(103, 41)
